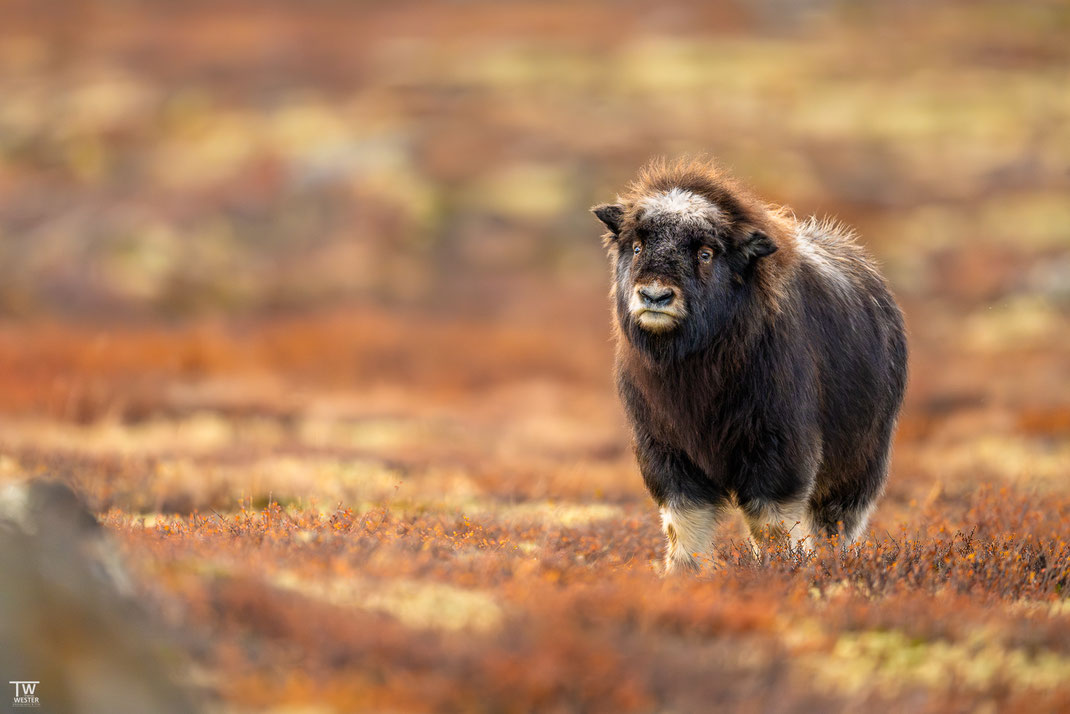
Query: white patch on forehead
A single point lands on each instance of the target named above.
(678, 202)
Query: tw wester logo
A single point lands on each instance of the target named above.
(26, 694)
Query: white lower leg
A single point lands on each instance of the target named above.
(689, 531)
(858, 528)
(777, 520)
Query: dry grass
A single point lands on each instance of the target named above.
(496, 551)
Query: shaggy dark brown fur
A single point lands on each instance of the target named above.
(761, 360)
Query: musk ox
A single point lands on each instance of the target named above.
(761, 360)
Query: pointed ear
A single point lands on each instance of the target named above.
(610, 214)
(758, 245)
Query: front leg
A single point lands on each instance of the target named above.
(774, 489)
(691, 505)
(689, 532)
(770, 522)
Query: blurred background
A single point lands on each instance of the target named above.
(339, 253)
(174, 160)
(168, 163)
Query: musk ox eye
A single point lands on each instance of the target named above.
(637, 248)
(705, 255)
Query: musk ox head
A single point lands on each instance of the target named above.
(686, 249)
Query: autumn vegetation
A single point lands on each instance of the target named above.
(305, 302)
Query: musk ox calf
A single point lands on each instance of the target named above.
(761, 360)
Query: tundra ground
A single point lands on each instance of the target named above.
(475, 536)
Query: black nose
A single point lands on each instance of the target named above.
(656, 296)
